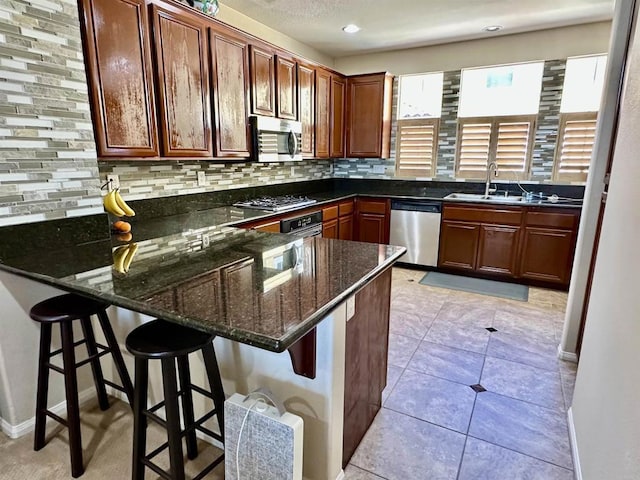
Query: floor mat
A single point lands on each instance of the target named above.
(477, 285)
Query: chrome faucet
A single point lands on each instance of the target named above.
(493, 166)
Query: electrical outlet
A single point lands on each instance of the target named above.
(351, 307)
(205, 240)
(202, 179)
(293, 171)
(113, 181)
(378, 169)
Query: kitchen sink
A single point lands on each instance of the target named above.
(479, 197)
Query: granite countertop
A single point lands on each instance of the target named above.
(262, 289)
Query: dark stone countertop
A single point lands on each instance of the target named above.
(262, 289)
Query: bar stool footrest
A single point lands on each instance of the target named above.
(156, 469)
(210, 467)
(57, 418)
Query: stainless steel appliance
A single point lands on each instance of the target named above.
(309, 225)
(276, 140)
(415, 224)
(276, 204)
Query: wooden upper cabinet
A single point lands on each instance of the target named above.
(230, 78)
(369, 100)
(323, 113)
(286, 88)
(336, 130)
(306, 102)
(181, 46)
(120, 77)
(263, 96)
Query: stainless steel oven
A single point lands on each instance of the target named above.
(309, 225)
(276, 140)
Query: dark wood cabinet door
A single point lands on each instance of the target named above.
(371, 228)
(547, 254)
(368, 129)
(323, 113)
(458, 245)
(345, 227)
(306, 110)
(241, 307)
(367, 340)
(230, 64)
(330, 229)
(182, 61)
(336, 130)
(286, 88)
(200, 297)
(498, 249)
(120, 77)
(263, 90)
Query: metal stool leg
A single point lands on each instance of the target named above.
(187, 405)
(96, 368)
(125, 379)
(215, 382)
(73, 405)
(43, 386)
(173, 418)
(139, 418)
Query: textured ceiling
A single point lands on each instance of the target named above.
(396, 24)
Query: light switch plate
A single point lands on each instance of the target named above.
(114, 181)
(202, 179)
(351, 307)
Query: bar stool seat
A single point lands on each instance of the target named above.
(171, 343)
(64, 310)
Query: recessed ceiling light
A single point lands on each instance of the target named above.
(492, 28)
(351, 28)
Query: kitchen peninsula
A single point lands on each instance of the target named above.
(261, 294)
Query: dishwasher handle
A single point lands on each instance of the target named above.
(417, 206)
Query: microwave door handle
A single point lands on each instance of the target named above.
(293, 143)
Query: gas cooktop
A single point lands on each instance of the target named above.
(276, 204)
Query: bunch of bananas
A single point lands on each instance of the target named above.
(115, 204)
(123, 256)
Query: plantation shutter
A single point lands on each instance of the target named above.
(474, 147)
(512, 149)
(575, 145)
(416, 147)
(507, 141)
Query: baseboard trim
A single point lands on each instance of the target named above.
(567, 356)
(577, 472)
(26, 427)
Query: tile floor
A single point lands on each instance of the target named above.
(433, 425)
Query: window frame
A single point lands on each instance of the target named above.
(495, 121)
(416, 173)
(564, 119)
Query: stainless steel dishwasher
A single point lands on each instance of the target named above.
(415, 224)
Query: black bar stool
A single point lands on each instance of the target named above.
(63, 310)
(169, 343)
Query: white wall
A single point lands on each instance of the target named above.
(540, 45)
(249, 25)
(606, 400)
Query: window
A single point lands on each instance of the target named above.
(581, 95)
(419, 110)
(497, 118)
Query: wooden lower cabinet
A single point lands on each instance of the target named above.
(547, 254)
(498, 249)
(330, 229)
(458, 245)
(367, 341)
(527, 243)
(372, 220)
(345, 227)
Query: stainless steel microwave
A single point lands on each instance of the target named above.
(275, 139)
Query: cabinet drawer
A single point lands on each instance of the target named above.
(502, 216)
(552, 219)
(329, 213)
(372, 206)
(345, 208)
